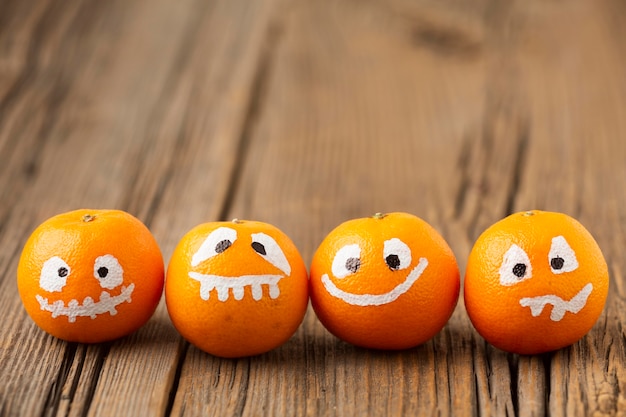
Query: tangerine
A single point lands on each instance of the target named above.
(236, 288)
(536, 281)
(387, 282)
(90, 275)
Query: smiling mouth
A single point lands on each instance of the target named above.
(89, 307)
(223, 285)
(560, 306)
(363, 300)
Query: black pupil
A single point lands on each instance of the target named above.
(393, 262)
(353, 264)
(259, 248)
(223, 245)
(103, 271)
(62, 272)
(557, 263)
(519, 270)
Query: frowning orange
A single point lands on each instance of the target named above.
(536, 281)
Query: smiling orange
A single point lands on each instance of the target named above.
(90, 275)
(388, 282)
(535, 282)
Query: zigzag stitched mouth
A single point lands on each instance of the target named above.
(89, 307)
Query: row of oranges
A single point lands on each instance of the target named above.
(535, 281)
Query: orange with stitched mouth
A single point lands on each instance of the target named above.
(388, 282)
(90, 275)
(236, 288)
(535, 282)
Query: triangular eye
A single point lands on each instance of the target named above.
(216, 242)
(515, 266)
(562, 257)
(267, 248)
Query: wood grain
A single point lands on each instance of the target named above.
(305, 114)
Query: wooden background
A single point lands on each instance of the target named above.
(305, 114)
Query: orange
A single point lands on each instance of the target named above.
(236, 288)
(387, 282)
(535, 282)
(90, 275)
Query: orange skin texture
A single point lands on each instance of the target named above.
(236, 328)
(495, 310)
(79, 243)
(411, 319)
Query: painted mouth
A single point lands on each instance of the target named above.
(89, 307)
(223, 285)
(560, 306)
(376, 299)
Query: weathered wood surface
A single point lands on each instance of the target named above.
(305, 114)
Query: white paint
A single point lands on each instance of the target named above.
(49, 278)
(89, 307)
(222, 285)
(207, 249)
(560, 306)
(515, 255)
(397, 247)
(115, 274)
(338, 267)
(376, 299)
(561, 249)
(273, 253)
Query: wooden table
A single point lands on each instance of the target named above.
(305, 114)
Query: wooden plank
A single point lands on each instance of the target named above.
(305, 114)
(125, 102)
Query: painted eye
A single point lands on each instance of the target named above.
(347, 261)
(515, 266)
(108, 271)
(54, 274)
(216, 242)
(562, 257)
(397, 254)
(268, 249)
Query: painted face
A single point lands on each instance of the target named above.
(535, 282)
(516, 267)
(236, 288)
(90, 275)
(396, 256)
(260, 245)
(387, 282)
(105, 283)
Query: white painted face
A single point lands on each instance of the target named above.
(219, 241)
(516, 268)
(347, 261)
(106, 270)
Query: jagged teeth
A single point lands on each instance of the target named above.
(237, 293)
(257, 292)
(223, 293)
(274, 291)
(223, 285)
